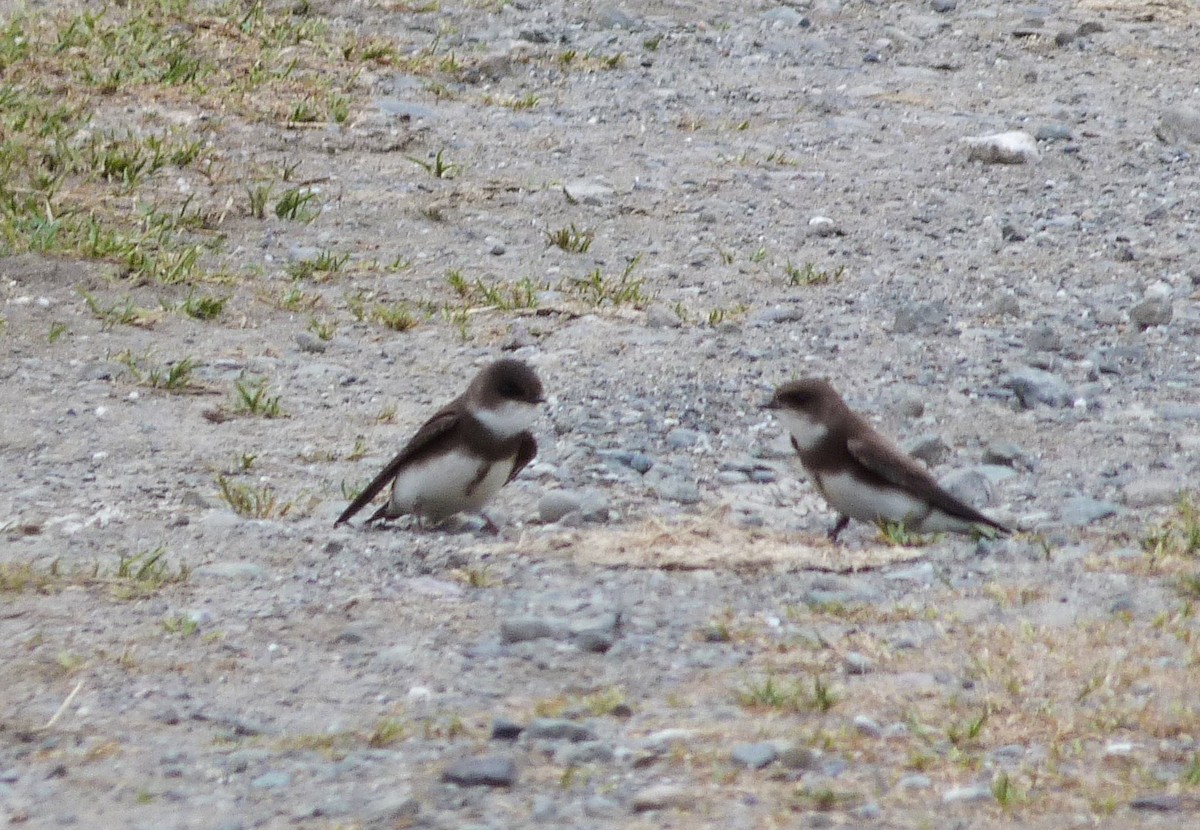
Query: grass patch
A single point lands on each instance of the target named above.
(251, 398)
(438, 167)
(135, 576)
(72, 186)
(387, 732)
(505, 296)
(396, 316)
(596, 290)
(174, 376)
(120, 313)
(320, 267)
(205, 307)
(897, 535)
(770, 693)
(252, 502)
(571, 239)
(810, 274)
(296, 205)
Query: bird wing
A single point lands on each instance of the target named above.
(433, 431)
(895, 466)
(526, 450)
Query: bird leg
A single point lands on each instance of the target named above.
(488, 525)
(838, 528)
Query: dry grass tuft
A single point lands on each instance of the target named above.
(710, 541)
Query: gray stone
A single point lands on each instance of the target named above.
(641, 462)
(969, 485)
(1179, 125)
(587, 192)
(663, 796)
(595, 642)
(559, 729)
(523, 629)
(271, 781)
(799, 757)
(1079, 511)
(1053, 132)
(1152, 490)
(665, 739)
(1153, 311)
(929, 448)
(681, 438)
(917, 573)
(785, 16)
(597, 634)
(1037, 386)
(678, 490)
(770, 316)
(310, 343)
(242, 571)
(485, 771)
(867, 726)
(1157, 803)
(821, 226)
(1001, 452)
(1005, 305)
(597, 806)
(1043, 339)
(966, 794)
(389, 812)
(1014, 147)
(588, 752)
(504, 729)
(404, 110)
(855, 663)
(558, 503)
(944, 6)
(924, 317)
(303, 253)
(400, 657)
(867, 812)
(102, 370)
(756, 755)
(914, 782)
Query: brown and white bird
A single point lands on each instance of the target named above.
(461, 457)
(860, 473)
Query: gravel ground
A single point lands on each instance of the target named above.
(660, 636)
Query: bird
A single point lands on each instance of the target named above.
(461, 457)
(860, 473)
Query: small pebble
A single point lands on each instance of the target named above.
(558, 729)
(966, 794)
(855, 663)
(662, 796)
(523, 629)
(1015, 147)
(486, 771)
(756, 755)
(866, 726)
(504, 729)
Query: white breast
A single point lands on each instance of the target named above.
(442, 486)
(807, 432)
(509, 419)
(851, 497)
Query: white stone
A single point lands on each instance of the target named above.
(1015, 147)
